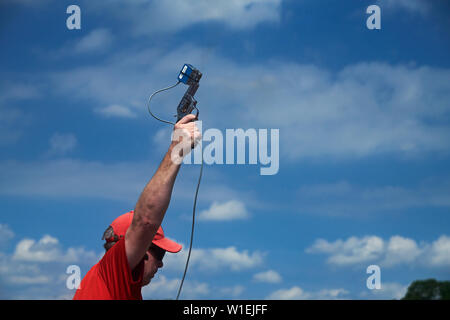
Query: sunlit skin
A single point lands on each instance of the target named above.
(152, 263)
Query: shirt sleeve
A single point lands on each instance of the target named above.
(117, 275)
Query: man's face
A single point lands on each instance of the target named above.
(153, 261)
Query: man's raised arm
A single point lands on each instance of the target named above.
(154, 200)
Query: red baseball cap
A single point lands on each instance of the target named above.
(121, 224)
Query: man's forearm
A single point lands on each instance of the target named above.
(154, 200)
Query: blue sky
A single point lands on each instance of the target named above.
(363, 117)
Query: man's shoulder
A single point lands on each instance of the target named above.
(92, 286)
(117, 251)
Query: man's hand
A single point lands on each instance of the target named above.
(185, 137)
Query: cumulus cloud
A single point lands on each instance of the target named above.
(294, 293)
(388, 291)
(231, 258)
(117, 111)
(162, 287)
(401, 250)
(351, 251)
(226, 211)
(36, 269)
(439, 252)
(269, 276)
(215, 259)
(48, 249)
(297, 293)
(395, 251)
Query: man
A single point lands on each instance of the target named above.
(135, 242)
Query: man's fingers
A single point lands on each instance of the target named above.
(186, 131)
(187, 118)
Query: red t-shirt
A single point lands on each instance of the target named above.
(111, 278)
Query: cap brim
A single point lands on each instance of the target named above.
(167, 245)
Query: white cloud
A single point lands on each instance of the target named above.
(36, 269)
(48, 249)
(45, 250)
(68, 178)
(297, 293)
(414, 6)
(215, 259)
(7, 234)
(232, 258)
(439, 252)
(163, 288)
(116, 110)
(226, 211)
(96, 41)
(13, 119)
(18, 91)
(364, 109)
(294, 293)
(344, 198)
(32, 3)
(396, 251)
(233, 292)
(9, 132)
(331, 294)
(73, 178)
(388, 291)
(27, 280)
(269, 276)
(351, 251)
(361, 110)
(61, 144)
(401, 250)
(150, 17)
(162, 138)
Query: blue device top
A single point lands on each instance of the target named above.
(185, 72)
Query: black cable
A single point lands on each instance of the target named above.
(150, 99)
(196, 191)
(192, 229)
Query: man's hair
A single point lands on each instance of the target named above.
(108, 234)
